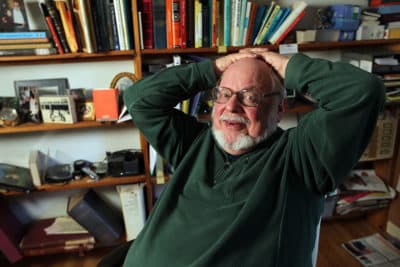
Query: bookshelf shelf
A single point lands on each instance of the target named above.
(45, 127)
(302, 47)
(85, 183)
(70, 57)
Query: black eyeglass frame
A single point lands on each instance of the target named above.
(240, 97)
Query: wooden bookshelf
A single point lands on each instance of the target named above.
(45, 127)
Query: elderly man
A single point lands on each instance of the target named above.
(245, 192)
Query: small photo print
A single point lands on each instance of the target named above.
(28, 104)
(13, 16)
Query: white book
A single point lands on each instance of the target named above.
(133, 208)
(38, 164)
(120, 26)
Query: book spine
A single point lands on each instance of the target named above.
(213, 23)
(168, 22)
(183, 17)
(252, 18)
(190, 23)
(159, 24)
(147, 22)
(235, 24)
(22, 35)
(52, 29)
(205, 12)
(267, 25)
(57, 249)
(114, 27)
(295, 15)
(85, 19)
(67, 25)
(176, 25)
(289, 28)
(55, 18)
(120, 27)
(227, 22)
(198, 32)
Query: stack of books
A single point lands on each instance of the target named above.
(25, 43)
(363, 190)
(56, 235)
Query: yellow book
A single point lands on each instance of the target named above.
(66, 20)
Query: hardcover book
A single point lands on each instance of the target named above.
(15, 178)
(159, 24)
(100, 219)
(58, 109)
(37, 236)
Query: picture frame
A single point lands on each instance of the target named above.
(123, 80)
(28, 92)
(13, 16)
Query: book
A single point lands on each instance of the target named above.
(28, 51)
(11, 232)
(119, 24)
(37, 235)
(227, 23)
(133, 208)
(263, 32)
(198, 24)
(56, 19)
(101, 220)
(106, 104)
(84, 16)
(176, 27)
(66, 17)
(190, 23)
(15, 178)
(52, 29)
(146, 7)
(373, 250)
(159, 24)
(183, 20)
(25, 46)
(297, 12)
(261, 9)
(266, 16)
(99, 22)
(57, 249)
(23, 35)
(24, 40)
(58, 109)
(37, 166)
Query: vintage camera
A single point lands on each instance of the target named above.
(125, 162)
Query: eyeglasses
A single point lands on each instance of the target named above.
(247, 97)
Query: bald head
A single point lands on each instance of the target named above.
(252, 71)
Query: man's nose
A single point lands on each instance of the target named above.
(233, 104)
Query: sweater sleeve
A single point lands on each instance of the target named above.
(329, 141)
(151, 102)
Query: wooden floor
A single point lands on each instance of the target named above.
(331, 254)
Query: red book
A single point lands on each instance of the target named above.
(52, 29)
(182, 12)
(147, 22)
(291, 26)
(11, 232)
(176, 24)
(168, 22)
(106, 104)
(37, 238)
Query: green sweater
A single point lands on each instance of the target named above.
(263, 208)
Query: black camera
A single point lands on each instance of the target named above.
(125, 162)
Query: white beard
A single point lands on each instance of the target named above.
(242, 141)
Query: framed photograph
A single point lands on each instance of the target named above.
(28, 91)
(13, 16)
(123, 80)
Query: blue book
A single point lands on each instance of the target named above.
(159, 24)
(257, 22)
(23, 35)
(276, 22)
(227, 23)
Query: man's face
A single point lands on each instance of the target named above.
(237, 127)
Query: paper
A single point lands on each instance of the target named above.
(65, 225)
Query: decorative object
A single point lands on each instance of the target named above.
(123, 80)
(28, 91)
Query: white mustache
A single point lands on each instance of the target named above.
(233, 118)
